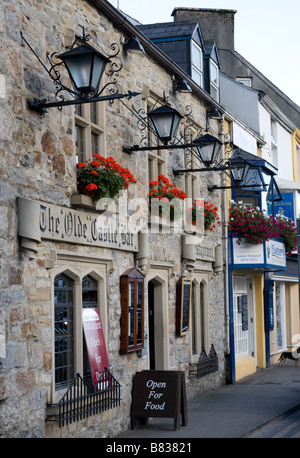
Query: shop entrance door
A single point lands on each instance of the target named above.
(244, 320)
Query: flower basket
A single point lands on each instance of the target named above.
(168, 198)
(203, 210)
(256, 227)
(102, 177)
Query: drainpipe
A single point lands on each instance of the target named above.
(231, 318)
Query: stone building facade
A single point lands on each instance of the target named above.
(48, 232)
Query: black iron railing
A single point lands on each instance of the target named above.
(206, 363)
(83, 400)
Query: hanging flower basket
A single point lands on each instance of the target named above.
(256, 227)
(102, 177)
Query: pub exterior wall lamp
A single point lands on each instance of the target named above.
(85, 66)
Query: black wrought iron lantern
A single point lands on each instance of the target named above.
(165, 121)
(85, 66)
(208, 148)
(239, 168)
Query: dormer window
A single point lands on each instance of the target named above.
(197, 63)
(214, 80)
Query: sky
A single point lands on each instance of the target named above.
(266, 32)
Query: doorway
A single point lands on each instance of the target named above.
(157, 327)
(244, 319)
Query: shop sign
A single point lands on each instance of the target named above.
(94, 337)
(40, 220)
(284, 207)
(267, 256)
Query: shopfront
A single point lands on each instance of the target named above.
(252, 313)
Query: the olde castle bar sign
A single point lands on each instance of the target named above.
(40, 220)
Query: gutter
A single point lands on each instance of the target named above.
(120, 21)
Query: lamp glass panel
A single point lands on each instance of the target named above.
(176, 122)
(79, 68)
(98, 69)
(163, 124)
(239, 171)
(209, 152)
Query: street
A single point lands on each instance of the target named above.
(285, 427)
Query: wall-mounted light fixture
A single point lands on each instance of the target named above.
(85, 66)
(133, 45)
(246, 171)
(181, 85)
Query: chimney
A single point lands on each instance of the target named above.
(216, 25)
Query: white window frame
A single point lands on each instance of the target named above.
(214, 85)
(245, 81)
(195, 68)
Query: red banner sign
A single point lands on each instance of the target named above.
(95, 342)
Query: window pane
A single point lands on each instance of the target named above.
(139, 313)
(214, 73)
(131, 315)
(194, 324)
(202, 316)
(93, 108)
(79, 141)
(78, 109)
(89, 300)
(196, 76)
(196, 56)
(95, 144)
(214, 93)
(63, 331)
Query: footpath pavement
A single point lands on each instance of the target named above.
(233, 411)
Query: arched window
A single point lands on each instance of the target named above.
(199, 318)
(63, 330)
(89, 300)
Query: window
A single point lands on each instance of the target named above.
(274, 146)
(132, 310)
(72, 294)
(214, 81)
(156, 159)
(64, 331)
(199, 318)
(89, 300)
(298, 161)
(245, 81)
(191, 178)
(196, 63)
(89, 130)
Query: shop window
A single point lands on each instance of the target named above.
(64, 331)
(132, 310)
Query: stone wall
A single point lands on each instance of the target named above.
(37, 162)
